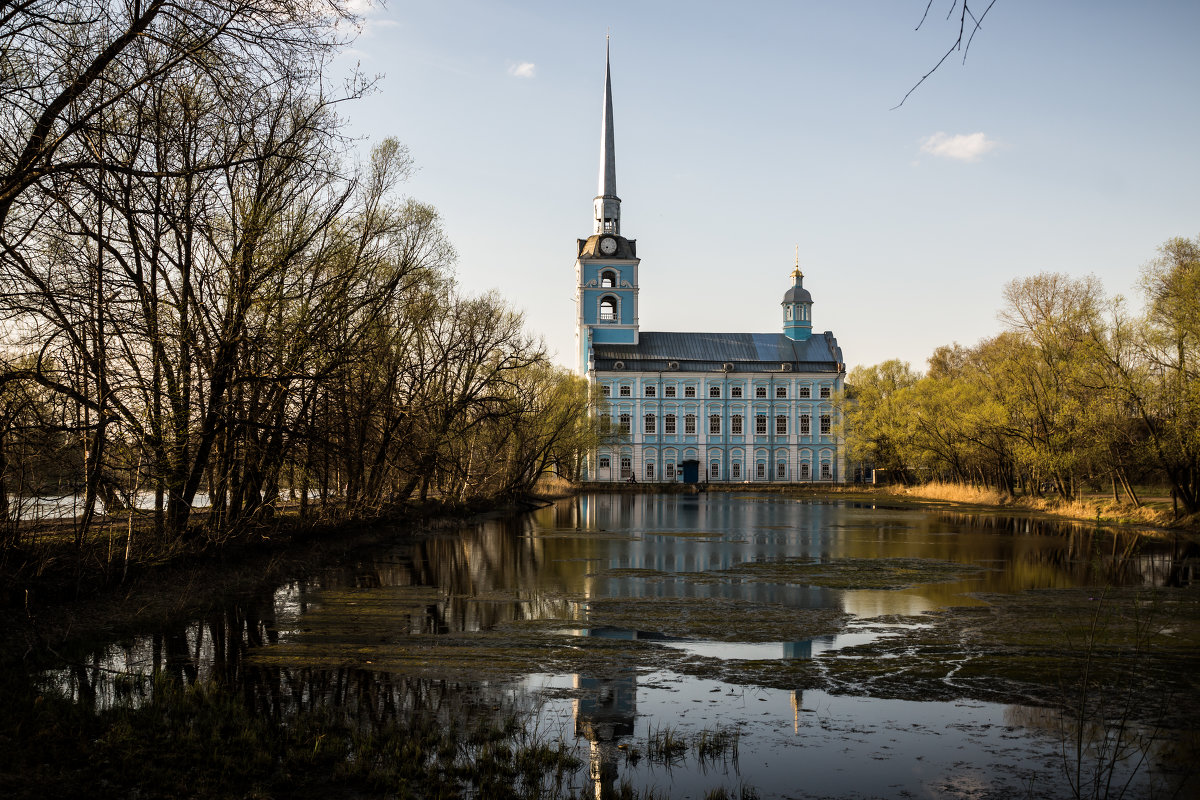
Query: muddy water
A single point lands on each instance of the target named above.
(841, 649)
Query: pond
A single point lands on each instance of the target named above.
(766, 646)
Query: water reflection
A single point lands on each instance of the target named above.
(554, 565)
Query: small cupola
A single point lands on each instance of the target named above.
(797, 308)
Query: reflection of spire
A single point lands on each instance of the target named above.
(797, 703)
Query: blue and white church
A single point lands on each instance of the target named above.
(711, 407)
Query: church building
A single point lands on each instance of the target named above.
(712, 407)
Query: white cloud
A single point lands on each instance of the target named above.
(523, 69)
(961, 146)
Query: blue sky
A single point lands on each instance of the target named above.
(1067, 142)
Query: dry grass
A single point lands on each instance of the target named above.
(1097, 508)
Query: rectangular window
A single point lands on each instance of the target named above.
(649, 470)
(781, 425)
(735, 391)
(780, 392)
(806, 391)
(825, 426)
(735, 425)
(689, 423)
(760, 391)
(689, 391)
(604, 462)
(669, 424)
(824, 392)
(669, 391)
(826, 471)
(714, 424)
(805, 423)
(780, 470)
(804, 471)
(651, 423)
(714, 470)
(626, 467)
(623, 424)
(735, 471)
(651, 391)
(760, 424)
(760, 471)
(714, 391)
(670, 471)
(606, 390)
(626, 390)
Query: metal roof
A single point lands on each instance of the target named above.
(709, 352)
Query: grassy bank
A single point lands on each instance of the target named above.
(1094, 507)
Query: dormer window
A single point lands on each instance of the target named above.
(608, 280)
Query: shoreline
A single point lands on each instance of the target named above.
(196, 583)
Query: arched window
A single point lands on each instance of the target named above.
(608, 309)
(608, 279)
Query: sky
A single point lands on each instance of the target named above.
(1066, 142)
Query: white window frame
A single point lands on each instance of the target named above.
(714, 424)
(668, 391)
(669, 425)
(651, 423)
(826, 424)
(780, 392)
(689, 424)
(805, 425)
(735, 425)
(760, 424)
(781, 424)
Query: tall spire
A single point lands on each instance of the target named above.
(607, 204)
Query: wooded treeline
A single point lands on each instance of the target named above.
(205, 300)
(1077, 390)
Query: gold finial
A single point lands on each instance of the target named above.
(796, 273)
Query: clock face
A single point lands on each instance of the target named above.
(608, 245)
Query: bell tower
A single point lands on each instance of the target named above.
(606, 263)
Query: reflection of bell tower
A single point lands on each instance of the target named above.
(606, 265)
(605, 709)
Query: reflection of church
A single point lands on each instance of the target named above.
(605, 710)
(738, 407)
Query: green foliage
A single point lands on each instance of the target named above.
(1076, 390)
